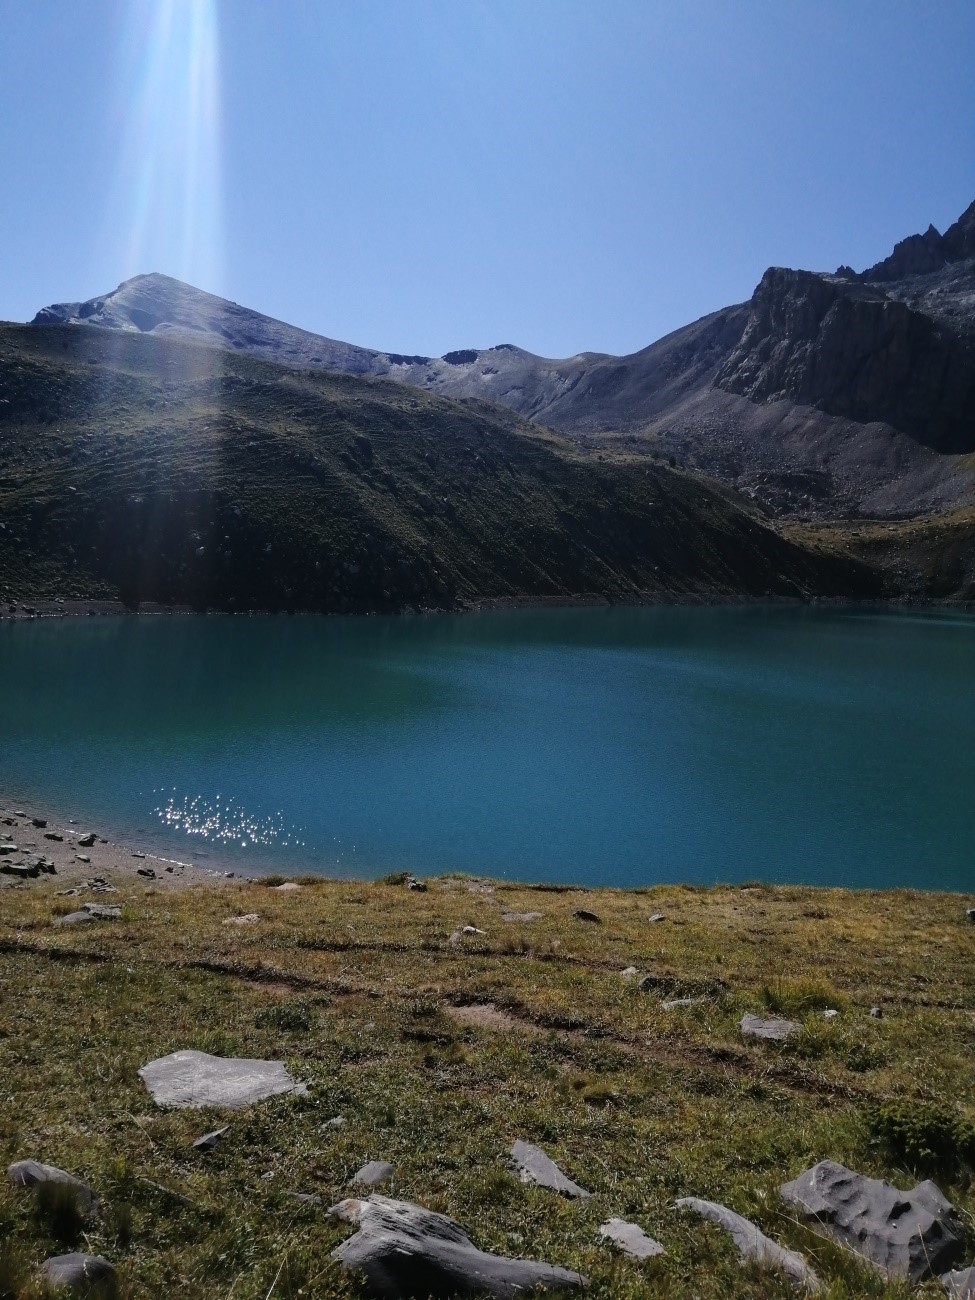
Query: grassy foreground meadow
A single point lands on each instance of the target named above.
(439, 1052)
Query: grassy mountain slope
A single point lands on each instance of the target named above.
(151, 468)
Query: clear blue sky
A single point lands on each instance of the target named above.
(419, 175)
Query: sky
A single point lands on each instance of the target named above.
(424, 175)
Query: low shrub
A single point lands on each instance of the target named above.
(928, 1140)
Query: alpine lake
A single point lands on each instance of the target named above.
(619, 747)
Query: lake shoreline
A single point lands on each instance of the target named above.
(51, 608)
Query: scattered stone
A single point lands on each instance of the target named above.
(630, 973)
(6, 847)
(418, 885)
(523, 917)
(86, 841)
(960, 1284)
(76, 1270)
(20, 870)
(374, 1172)
(829, 1013)
(631, 1239)
(970, 913)
(581, 914)
(457, 935)
(250, 918)
(307, 1198)
(102, 912)
(53, 835)
(657, 916)
(752, 1243)
(209, 1140)
(405, 1250)
(82, 857)
(337, 1121)
(74, 918)
(138, 855)
(912, 1235)
(31, 1173)
(39, 822)
(288, 887)
(534, 1166)
(19, 812)
(772, 1031)
(145, 871)
(191, 1078)
(677, 1004)
(877, 1013)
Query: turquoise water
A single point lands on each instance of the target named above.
(616, 747)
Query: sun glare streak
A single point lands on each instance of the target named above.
(169, 191)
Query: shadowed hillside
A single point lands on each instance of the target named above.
(150, 468)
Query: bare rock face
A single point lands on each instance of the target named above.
(854, 350)
(31, 1173)
(196, 1079)
(76, 1271)
(406, 1251)
(913, 1235)
(534, 1166)
(753, 1244)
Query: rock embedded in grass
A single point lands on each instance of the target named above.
(373, 1173)
(524, 917)
(196, 1079)
(913, 1235)
(405, 1250)
(32, 1173)
(630, 1238)
(581, 914)
(678, 1004)
(534, 1166)
(960, 1284)
(773, 1030)
(76, 1271)
(209, 1140)
(752, 1243)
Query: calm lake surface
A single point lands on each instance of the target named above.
(609, 747)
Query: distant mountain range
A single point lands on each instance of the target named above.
(823, 396)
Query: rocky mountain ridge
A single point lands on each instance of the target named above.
(824, 395)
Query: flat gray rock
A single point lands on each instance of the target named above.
(74, 918)
(31, 1173)
(209, 1140)
(774, 1030)
(522, 916)
(678, 1004)
(406, 1251)
(630, 1238)
(753, 1244)
(960, 1284)
(197, 1079)
(912, 1235)
(375, 1172)
(76, 1270)
(102, 912)
(534, 1166)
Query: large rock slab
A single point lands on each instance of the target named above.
(76, 1270)
(913, 1235)
(753, 1244)
(31, 1173)
(630, 1238)
(197, 1079)
(534, 1166)
(774, 1030)
(404, 1250)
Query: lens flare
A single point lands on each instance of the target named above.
(168, 199)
